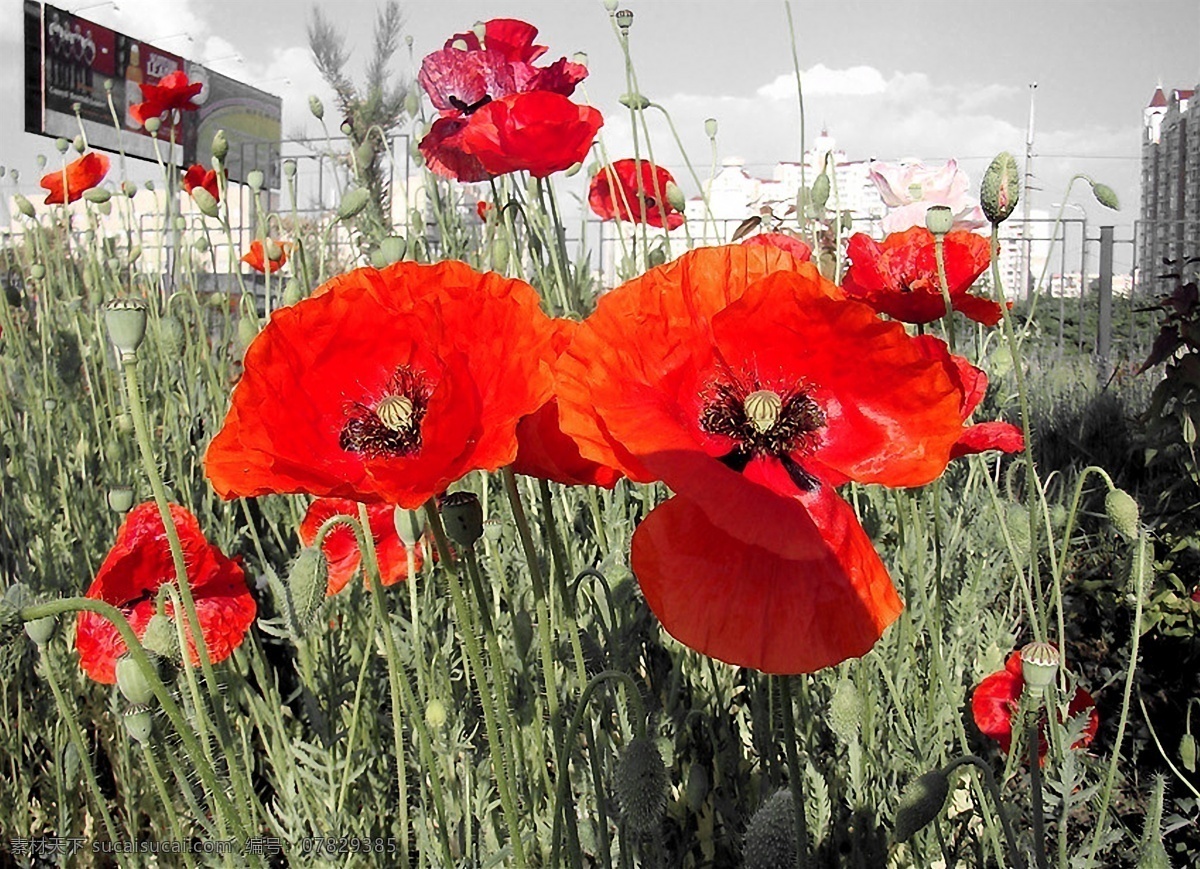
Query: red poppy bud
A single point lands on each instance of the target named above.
(1000, 188)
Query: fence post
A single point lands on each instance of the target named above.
(1104, 323)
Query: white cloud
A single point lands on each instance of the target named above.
(820, 79)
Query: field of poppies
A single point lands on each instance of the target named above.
(799, 548)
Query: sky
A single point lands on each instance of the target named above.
(889, 79)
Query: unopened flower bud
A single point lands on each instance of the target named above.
(710, 127)
(522, 628)
(133, 682)
(641, 784)
(62, 145)
(316, 107)
(920, 804)
(1000, 188)
(611, 6)
(24, 206)
(138, 723)
(247, 331)
(1039, 663)
(675, 197)
(939, 219)
(392, 249)
(573, 169)
(126, 322)
(150, 185)
(79, 144)
(634, 100)
(205, 201)
(307, 582)
(463, 515)
(408, 526)
(129, 188)
(353, 203)
(255, 179)
(1122, 512)
(771, 834)
(120, 499)
(41, 162)
(220, 145)
(153, 125)
(820, 191)
(37, 271)
(76, 107)
(624, 19)
(201, 244)
(479, 28)
(272, 249)
(161, 638)
(347, 128)
(1106, 196)
(97, 195)
(459, 45)
(412, 102)
(291, 292)
(435, 713)
(1187, 751)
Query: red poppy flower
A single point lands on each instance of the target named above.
(82, 175)
(510, 37)
(341, 546)
(197, 176)
(750, 385)
(256, 257)
(539, 132)
(899, 277)
(173, 92)
(137, 567)
(783, 241)
(386, 386)
(542, 448)
(482, 207)
(972, 383)
(996, 706)
(633, 190)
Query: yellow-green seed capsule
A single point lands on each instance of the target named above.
(762, 409)
(138, 723)
(939, 219)
(133, 682)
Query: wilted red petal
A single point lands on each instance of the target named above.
(614, 193)
(134, 570)
(82, 175)
(341, 546)
(445, 155)
(750, 606)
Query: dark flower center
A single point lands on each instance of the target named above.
(391, 426)
(764, 422)
(469, 108)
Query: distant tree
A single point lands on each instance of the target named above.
(371, 111)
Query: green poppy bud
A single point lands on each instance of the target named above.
(675, 197)
(459, 45)
(347, 128)
(353, 203)
(247, 331)
(1122, 512)
(845, 710)
(97, 195)
(1106, 196)
(696, 787)
(820, 191)
(138, 723)
(435, 714)
(120, 499)
(272, 249)
(291, 292)
(153, 125)
(1187, 751)
(392, 249)
(255, 179)
(289, 168)
(939, 219)
(920, 804)
(611, 6)
(133, 682)
(205, 201)
(24, 206)
(129, 188)
(463, 515)
(307, 582)
(126, 322)
(316, 107)
(220, 145)
(522, 627)
(105, 207)
(634, 101)
(201, 244)
(62, 145)
(150, 185)
(573, 169)
(1001, 188)
(170, 334)
(37, 271)
(771, 834)
(580, 57)
(161, 638)
(412, 103)
(79, 144)
(41, 162)
(135, 253)
(641, 785)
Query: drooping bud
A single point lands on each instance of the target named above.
(696, 788)
(161, 638)
(624, 20)
(316, 107)
(463, 515)
(291, 292)
(255, 179)
(634, 100)
(133, 682)
(138, 723)
(353, 203)
(129, 188)
(820, 191)
(435, 713)
(205, 201)
(939, 219)
(126, 322)
(24, 206)
(710, 127)
(272, 249)
(522, 627)
(771, 834)
(641, 785)
(1000, 188)
(153, 125)
(1187, 751)
(1122, 512)
(120, 499)
(920, 804)
(412, 103)
(675, 197)
(170, 334)
(220, 145)
(392, 248)
(247, 331)
(307, 582)
(135, 253)
(408, 526)
(97, 195)
(573, 169)
(201, 244)
(1106, 196)
(1039, 664)
(845, 710)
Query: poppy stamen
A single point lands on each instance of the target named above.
(392, 428)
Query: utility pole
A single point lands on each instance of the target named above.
(1027, 248)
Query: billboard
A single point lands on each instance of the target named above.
(81, 74)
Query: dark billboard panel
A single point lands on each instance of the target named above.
(72, 63)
